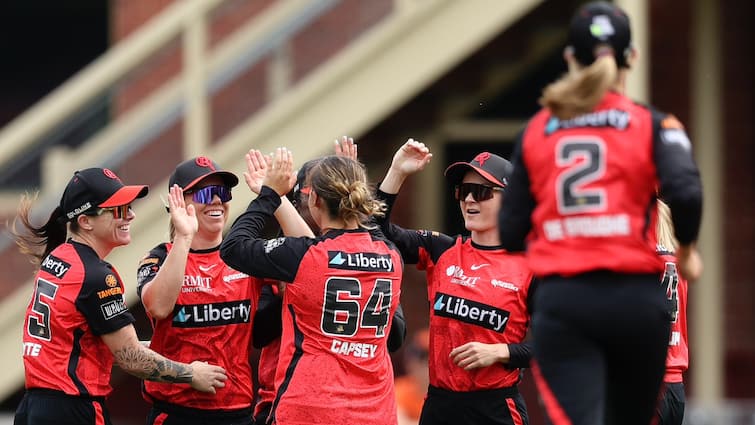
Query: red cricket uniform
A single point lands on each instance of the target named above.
(211, 321)
(77, 298)
(343, 290)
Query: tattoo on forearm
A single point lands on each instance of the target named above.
(146, 364)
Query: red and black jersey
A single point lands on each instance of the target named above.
(677, 360)
(476, 293)
(343, 289)
(586, 189)
(211, 321)
(77, 298)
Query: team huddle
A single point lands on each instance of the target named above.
(575, 264)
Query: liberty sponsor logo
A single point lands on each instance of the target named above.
(478, 266)
(196, 284)
(364, 261)
(615, 118)
(503, 284)
(355, 349)
(113, 308)
(471, 312)
(458, 277)
(55, 266)
(213, 314)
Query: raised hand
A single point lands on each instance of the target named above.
(206, 377)
(345, 146)
(411, 157)
(183, 217)
(256, 169)
(280, 176)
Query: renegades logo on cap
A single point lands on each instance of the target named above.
(481, 158)
(205, 162)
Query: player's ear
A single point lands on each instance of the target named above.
(85, 222)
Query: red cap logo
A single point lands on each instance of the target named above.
(205, 162)
(481, 158)
(110, 174)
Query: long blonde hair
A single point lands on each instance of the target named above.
(665, 228)
(580, 90)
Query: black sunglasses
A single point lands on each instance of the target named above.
(120, 211)
(480, 192)
(206, 194)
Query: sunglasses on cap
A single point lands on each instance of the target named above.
(120, 211)
(205, 195)
(480, 192)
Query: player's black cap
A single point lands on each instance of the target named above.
(301, 181)
(490, 166)
(191, 171)
(94, 188)
(600, 22)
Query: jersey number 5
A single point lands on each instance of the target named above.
(586, 161)
(342, 314)
(41, 328)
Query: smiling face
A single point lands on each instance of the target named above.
(211, 217)
(480, 217)
(107, 231)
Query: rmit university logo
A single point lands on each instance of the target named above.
(205, 315)
(471, 312)
(364, 261)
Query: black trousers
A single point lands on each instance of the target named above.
(163, 413)
(50, 407)
(504, 406)
(600, 342)
(671, 406)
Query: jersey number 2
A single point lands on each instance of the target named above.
(586, 161)
(344, 316)
(41, 328)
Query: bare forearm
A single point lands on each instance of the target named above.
(146, 364)
(159, 295)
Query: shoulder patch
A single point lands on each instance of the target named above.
(149, 260)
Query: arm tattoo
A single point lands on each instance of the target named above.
(146, 364)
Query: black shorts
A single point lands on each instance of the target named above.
(671, 407)
(52, 407)
(503, 406)
(600, 343)
(163, 413)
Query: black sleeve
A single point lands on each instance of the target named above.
(409, 242)
(514, 220)
(679, 178)
(268, 322)
(398, 330)
(149, 266)
(101, 300)
(519, 355)
(245, 251)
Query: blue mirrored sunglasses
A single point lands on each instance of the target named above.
(205, 195)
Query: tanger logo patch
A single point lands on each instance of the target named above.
(364, 261)
(111, 281)
(471, 312)
(213, 314)
(55, 266)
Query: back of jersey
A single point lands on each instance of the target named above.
(334, 364)
(593, 179)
